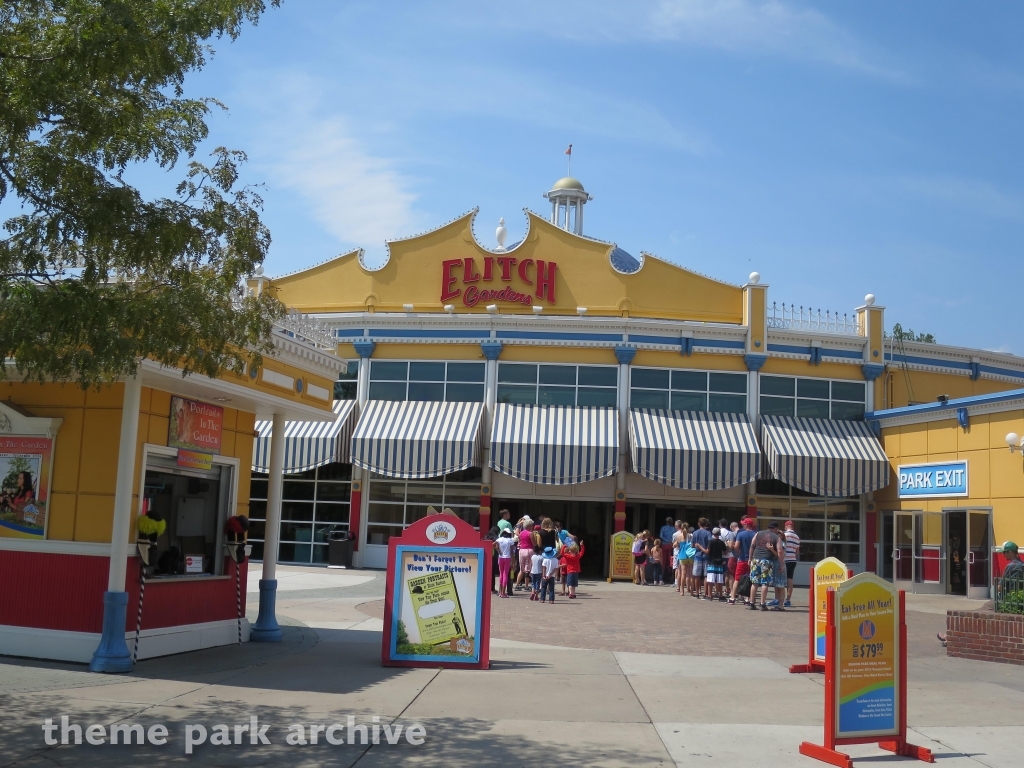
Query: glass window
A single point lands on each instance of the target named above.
(332, 491)
(848, 411)
(778, 385)
(558, 374)
(381, 370)
(298, 491)
(689, 401)
(379, 534)
(431, 371)
(818, 388)
(777, 406)
(334, 472)
(598, 376)
(332, 513)
(596, 396)
(258, 489)
(464, 393)
(296, 532)
(652, 378)
(556, 396)
(296, 510)
(387, 390)
(517, 373)
(473, 372)
(728, 382)
(648, 398)
(422, 391)
(387, 513)
(727, 403)
(693, 380)
(812, 409)
(848, 390)
(517, 393)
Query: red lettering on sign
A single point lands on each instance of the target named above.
(472, 297)
(488, 267)
(546, 281)
(448, 289)
(506, 263)
(469, 274)
(522, 271)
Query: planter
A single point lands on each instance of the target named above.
(985, 636)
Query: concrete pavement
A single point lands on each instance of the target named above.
(541, 701)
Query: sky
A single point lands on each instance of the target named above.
(836, 148)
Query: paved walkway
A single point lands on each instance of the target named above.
(542, 702)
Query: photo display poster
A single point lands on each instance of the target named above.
(25, 465)
(438, 604)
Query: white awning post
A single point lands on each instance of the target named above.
(360, 506)
(266, 629)
(112, 655)
(491, 351)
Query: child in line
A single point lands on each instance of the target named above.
(715, 567)
(654, 555)
(571, 563)
(536, 571)
(550, 565)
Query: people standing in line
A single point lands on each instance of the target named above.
(503, 520)
(792, 556)
(676, 533)
(700, 540)
(504, 545)
(639, 557)
(765, 550)
(654, 555)
(492, 536)
(728, 535)
(684, 563)
(550, 572)
(715, 580)
(742, 549)
(536, 571)
(665, 534)
(778, 567)
(548, 534)
(570, 561)
(525, 536)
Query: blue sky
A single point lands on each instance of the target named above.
(838, 149)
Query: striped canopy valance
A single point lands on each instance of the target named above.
(555, 444)
(826, 457)
(308, 444)
(694, 450)
(414, 440)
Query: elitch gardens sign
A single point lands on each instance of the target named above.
(933, 481)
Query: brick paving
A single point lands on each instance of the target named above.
(637, 619)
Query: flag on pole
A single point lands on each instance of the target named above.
(569, 150)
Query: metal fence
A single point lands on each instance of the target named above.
(806, 319)
(1010, 593)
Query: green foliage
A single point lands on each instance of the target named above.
(899, 334)
(15, 466)
(94, 276)
(403, 636)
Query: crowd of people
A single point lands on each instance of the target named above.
(732, 563)
(532, 556)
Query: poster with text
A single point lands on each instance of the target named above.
(437, 603)
(867, 658)
(25, 466)
(828, 574)
(195, 426)
(620, 561)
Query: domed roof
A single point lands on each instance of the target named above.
(568, 183)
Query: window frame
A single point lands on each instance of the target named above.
(795, 399)
(708, 392)
(553, 388)
(445, 383)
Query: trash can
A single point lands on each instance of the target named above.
(339, 549)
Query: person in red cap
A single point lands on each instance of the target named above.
(742, 548)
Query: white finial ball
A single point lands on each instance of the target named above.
(501, 233)
(755, 278)
(259, 271)
(1013, 439)
(869, 299)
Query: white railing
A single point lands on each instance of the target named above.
(795, 318)
(297, 325)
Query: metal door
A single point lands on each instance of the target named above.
(930, 553)
(903, 550)
(979, 554)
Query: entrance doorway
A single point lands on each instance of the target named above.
(946, 552)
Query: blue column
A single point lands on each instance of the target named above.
(266, 629)
(113, 654)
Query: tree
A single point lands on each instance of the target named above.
(908, 335)
(94, 276)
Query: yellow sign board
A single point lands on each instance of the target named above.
(620, 560)
(867, 659)
(828, 574)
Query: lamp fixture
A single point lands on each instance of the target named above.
(492, 308)
(449, 308)
(581, 311)
(1016, 444)
(407, 307)
(537, 309)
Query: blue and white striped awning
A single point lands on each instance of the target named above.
(308, 444)
(826, 457)
(694, 450)
(555, 444)
(414, 440)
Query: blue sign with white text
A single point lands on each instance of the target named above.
(924, 481)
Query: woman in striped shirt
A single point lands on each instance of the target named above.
(792, 555)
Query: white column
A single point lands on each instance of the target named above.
(121, 532)
(623, 401)
(276, 481)
(490, 399)
(579, 217)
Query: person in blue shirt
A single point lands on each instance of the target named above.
(701, 540)
(742, 548)
(667, 532)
